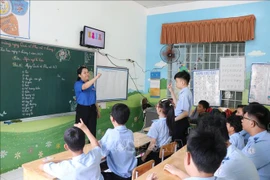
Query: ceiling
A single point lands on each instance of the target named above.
(151, 4)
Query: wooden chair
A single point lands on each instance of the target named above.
(167, 150)
(139, 170)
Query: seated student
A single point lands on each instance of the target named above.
(81, 166)
(205, 151)
(182, 107)
(160, 131)
(255, 121)
(235, 166)
(200, 110)
(145, 104)
(240, 112)
(118, 145)
(254, 103)
(234, 126)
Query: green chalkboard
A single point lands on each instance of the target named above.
(38, 79)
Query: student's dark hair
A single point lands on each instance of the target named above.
(235, 122)
(254, 103)
(120, 113)
(168, 110)
(261, 113)
(223, 114)
(214, 121)
(74, 138)
(79, 71)
(204, 103)
(241, 106)
(183, 75)
(207, 149)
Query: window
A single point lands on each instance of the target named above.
(206, 56)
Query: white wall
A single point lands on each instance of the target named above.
(59, 23)
(202, 4)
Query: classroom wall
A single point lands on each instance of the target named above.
(257, 50)
(124, 23)
(59, 23)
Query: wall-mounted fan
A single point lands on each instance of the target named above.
(169, 54)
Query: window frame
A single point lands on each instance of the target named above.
(205, 56)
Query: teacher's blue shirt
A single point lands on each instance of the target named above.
(85, 97)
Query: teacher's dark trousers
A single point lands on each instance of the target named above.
(89, 116)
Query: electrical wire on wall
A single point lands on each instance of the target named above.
(108, 56)
(132, 79)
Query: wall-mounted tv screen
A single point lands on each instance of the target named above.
(92, 37)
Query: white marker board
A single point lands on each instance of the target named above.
(113, 84)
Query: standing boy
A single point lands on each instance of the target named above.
(183, 106)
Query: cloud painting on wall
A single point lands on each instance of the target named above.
(255, 53)
(160, 64)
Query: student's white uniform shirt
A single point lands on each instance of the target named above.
(258, 151)
(159, 131)
(245, 135)
(184, 102)
(118, 146)
(236, 166)
(82, 167)
(237, 140)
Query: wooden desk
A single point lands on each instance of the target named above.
(177, 159)
(146, 129)
(140, 139)
(31, 169)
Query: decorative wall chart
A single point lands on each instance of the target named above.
(260, 84)
(206, 87)
(232, 73)
(15, 18)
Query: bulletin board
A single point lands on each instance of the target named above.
(259, 88)
(206, 87)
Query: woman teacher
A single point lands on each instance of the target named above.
(87, 108)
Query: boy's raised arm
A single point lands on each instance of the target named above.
(172, 94)
(92, 139)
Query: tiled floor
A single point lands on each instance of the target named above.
(16, 174)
